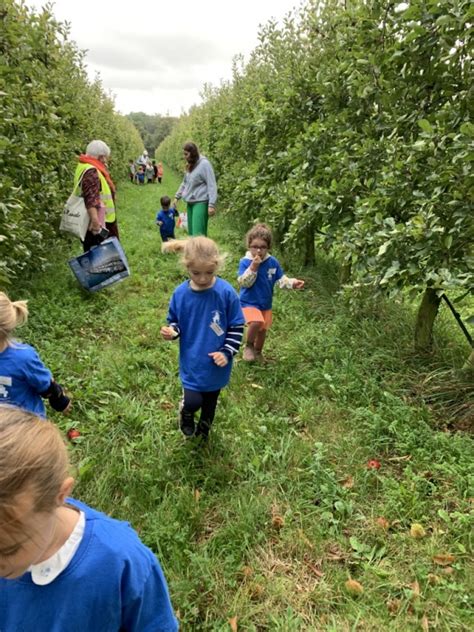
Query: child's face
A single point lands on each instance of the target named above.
(258, 247)
(31, 542)
(202, 275)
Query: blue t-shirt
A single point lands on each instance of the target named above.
(22, 378)
(260, 294)
(204, 318)
(114, 583)
(167, 217)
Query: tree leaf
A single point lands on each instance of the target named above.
(425, 126)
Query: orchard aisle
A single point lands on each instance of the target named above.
(318, 465)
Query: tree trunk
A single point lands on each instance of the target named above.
(425, 318)
(345, 273)
(309, 253)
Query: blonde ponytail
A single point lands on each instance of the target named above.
(12, 314)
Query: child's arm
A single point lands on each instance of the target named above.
(231, 346)
(248, 276)
(40, 380)
(57, 398)
(145, 598)
(286, 283)
(172, 330)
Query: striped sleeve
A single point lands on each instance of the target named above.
(248, 278)
(175, 326)
(233, 340)
(286, 283)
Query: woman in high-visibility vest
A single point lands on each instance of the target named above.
(98, 191)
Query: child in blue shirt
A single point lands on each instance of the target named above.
(258, 273)
(63, 565)
(24, 380)
(206, 316)
(165, 218)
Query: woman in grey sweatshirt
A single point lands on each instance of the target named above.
(198, 189)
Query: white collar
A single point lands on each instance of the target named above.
(47, 571)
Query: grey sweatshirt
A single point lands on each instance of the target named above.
(199, 185)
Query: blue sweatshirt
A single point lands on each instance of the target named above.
(113, 584)
(203, 319)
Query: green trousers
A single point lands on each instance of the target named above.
(197, 218)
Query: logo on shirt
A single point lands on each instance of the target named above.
(270, 273)
(216, 323)
(4, 381)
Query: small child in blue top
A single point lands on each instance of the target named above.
(258, 273)
(65, 566)
(206, 316)
(165, 218)
(24, 380)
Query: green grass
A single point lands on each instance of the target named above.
(269, 520)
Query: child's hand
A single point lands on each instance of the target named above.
(256, 261)
(159, 223)
(211, 211)
(298, 284)
(168, 333)
(219, 358)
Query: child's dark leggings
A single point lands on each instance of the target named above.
(207, 402)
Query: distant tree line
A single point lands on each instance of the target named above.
(153, 128)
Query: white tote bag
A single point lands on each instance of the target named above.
(75, 218)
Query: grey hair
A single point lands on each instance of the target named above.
(97, 148)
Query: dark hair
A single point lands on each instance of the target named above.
(165, 201)
(193, 150)
(259, 231)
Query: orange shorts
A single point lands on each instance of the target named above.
(254, 315)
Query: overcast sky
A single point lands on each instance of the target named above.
(156, 56)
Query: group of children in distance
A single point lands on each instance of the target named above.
(149, 172)
(63, 565)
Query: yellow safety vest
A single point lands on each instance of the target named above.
(105, 193)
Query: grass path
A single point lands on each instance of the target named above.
(268, 522)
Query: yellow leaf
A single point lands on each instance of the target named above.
(433, 579)
(417, 531)
(348, 483)
(443, 559)
(425, 626)
(257, 386)
(197, 495)
(354, 587)
(415, 587)
(383, 523)
(233, 624)
(278, 521)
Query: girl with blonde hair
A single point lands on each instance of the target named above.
(205, 315)
(63, 565)
(24, 380)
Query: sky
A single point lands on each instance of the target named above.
(155, 57)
